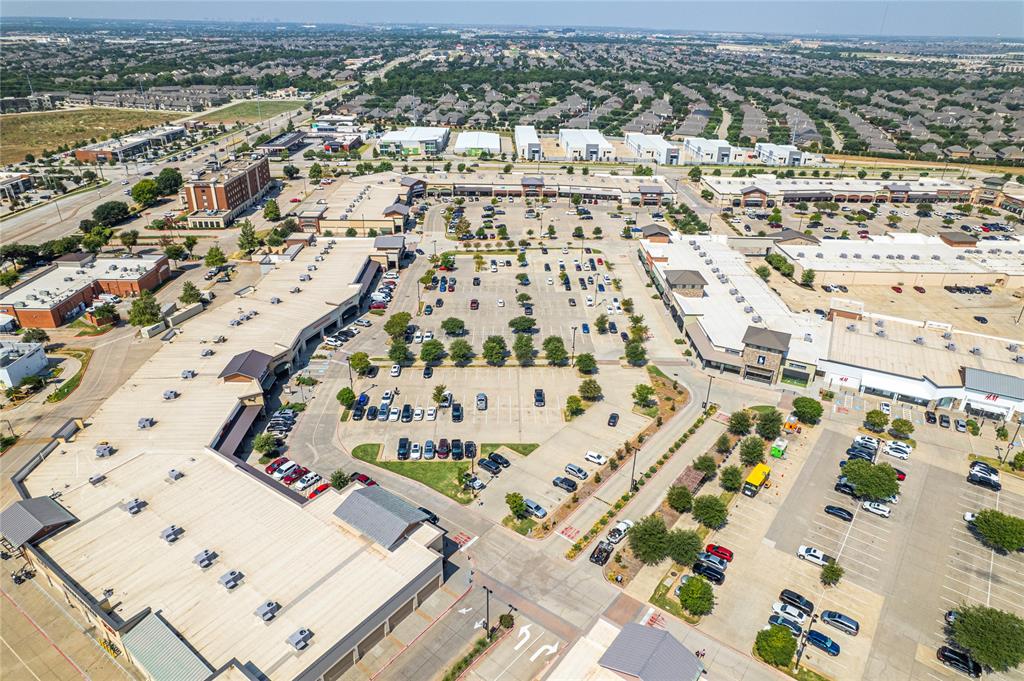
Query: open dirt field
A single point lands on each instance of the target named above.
(250, 112)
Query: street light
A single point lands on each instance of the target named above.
(487, 616)
(803, 641)
(572, 360)
(632, 476)
(707, 399)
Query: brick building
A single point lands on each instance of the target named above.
(64, 290)
(216, 195)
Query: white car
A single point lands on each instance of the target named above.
(970, 517)
(618, 533)
(307, 481)
(551, 281)
(428, 336)
(594, 457)
(386, 397)
(609, 309)
(789, 612)
(886, 408)
(396, 370)
(418, 338)
(878, 509)
(590, 301)
(866, 440)
(362, 322)
(898, 453)
(501, 302)
(416, 451)
(417, 414)
(432, 414)
(813, 555)
(394, 413)
(285, 470)
(565, 249)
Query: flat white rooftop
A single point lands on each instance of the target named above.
(55, 285)
(414, 134)
(649, 142)
(721, 313)
(478, 140)
(771, 184)
(581, 137)
(526, 134)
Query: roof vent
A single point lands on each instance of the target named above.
(880, 333)
(951, 346)
(880, 323)
(294, 289)
(808, 338)
(733, 292)
(134, 506)
(936, 257)
(205, 558)
(1014, 347)
(188, 373)
(947, 335)
(304, 277)
(857, 256)
(146, 422)
(740, 299)
(230, 579)
(919, 340)
(275, 300)
(961, 257)
(267, 611)
(714, 270)
(702, 254)
(748, 309)
(756, 319)
(915, 256)
(97, 478)
(975, 350)
(171, 534)
(1019, 359)
(692, 242)
(819, 254)
(890, 256)
(171, 394)
(69, 278)
(876, 256)
(300, 639)
(708, 261)
(207, 352)
(799, 254)
(175, 474)
(851, 327)
(104, 450)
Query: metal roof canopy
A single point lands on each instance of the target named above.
(991, 383)
(379, 514)
(650, 655)
(31, 519)
(163, 653)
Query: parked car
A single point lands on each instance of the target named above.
(778, 620)
(944, 421)
(797, 600)
(601, 553)
(929, 417)
(576, 471)
(822, 642)
(713, 560)
(720, 551)
(710, 573)
(499, 459)
(843, 623)
(595, 458)
(839, 512)
(568, 484)
(960, 661)
(789, 612)
(538, 397)
(274, 465)
(613, 419)
(961, 426)
(489, 466)
(877, 508)
(618, 533)
(363, 479)
(812, 555)
(319, 489)
(295, 475)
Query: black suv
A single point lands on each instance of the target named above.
(457, 451)
(470, 449)
(712, 574)
(403, 448)
(601, 553)
(564, 483)
(538, 397)
(406, 413)
(489, 466)
(960, 661)
(797, 601)
(499, 459)
(456, 412)
(845, 488)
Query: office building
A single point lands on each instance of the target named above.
(527, 143)
(414, 141)
(217, 194)
(474, 143)
(713, 152)
(20, 360)
(653, 148)
(585, 145)
(783, 155)
(129, 147)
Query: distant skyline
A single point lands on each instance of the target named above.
(881, 18)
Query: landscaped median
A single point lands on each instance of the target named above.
(445, 477)
(84, 356)
(642, 478)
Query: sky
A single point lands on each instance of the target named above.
(952, 18)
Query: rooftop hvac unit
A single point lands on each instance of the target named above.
(69, 278)
(857, 256)
(947, 335)
(692, 242)
(304, 277)
(702, 254)
(808, 338)
(205, 558)
(756, 319)
(851, 327)
(714, 270)
(951, 347)
(135, 506)
(919, 340)
(230, 579)
(843, 256)
(275, 301)
(300, 639)
(740, 299)
(1019, 359)
(876, 256)
(267, 611)
(207, 352)
(1014, 347)
(900, 256)
(733, 292)
(975, 350)
(748, 309)
(79, 271)
(171, 534)
(96, 479)
(799, 254)
(695, 246)
(880, 323)
(915, 256)
(146, 422)
(819, 254)
(175, 474)
(880, 333)
(708, 261)
(961, 257)
(188, 373)
(171, 394)
(311, 268)
(318, 258)
(936, 257)
(294, 289)
(104, 450)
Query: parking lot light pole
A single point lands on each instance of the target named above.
(632, 475)
(707, 399)
(803, 641)
(487, 615)
(572, 360)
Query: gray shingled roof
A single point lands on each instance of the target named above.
(788, 234)
(531, 181)
(379, 514)
(162, 653)
(991, 383)
(654, 228)
(400, 208)
(651, 189)
(650, 654)
(409, 181)
(389, 241)
(251, 363)
(29, 519)
(766, 338)
(685, 278)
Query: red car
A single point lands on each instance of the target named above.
(442, 448)
(900, 475)
(319, 489)
(378, 306)
(919, 289)
(720, 551)
(474, 304)
(600, 261)
(897, 289)
(364, 479)
(296, 473)
(275, 464)
(295, 199)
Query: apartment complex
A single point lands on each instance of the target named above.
(217, 194)
(414, 141)
(63, 291)
(128, 147)
(652, 147)
(527, 143)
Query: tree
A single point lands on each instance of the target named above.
(590, 390)
(807, 410)
(739, 423)
(190, 243)
(705, 463)
(340, 479)
(175, 252)
(145, 192)
(494, 350)
(274, 240)
(168, 182)
(34, 336)
(215, 257)
(573, 405)
(1000, 530)
(763, 271)
(347, 397)
(731, 478)
(679, 499)
(586, 363)
(752, 451)
(189, 294)
(247, 239)
(776, 645)
(128, 238)
(398, 352)
(601, 323)
(874, 482)
(110, 213)
(522, 324)
(432, 351)
(554, 350)
(994, 638)
(360, 362)
(876, 420)
(683, 546)
(807, 278)
(522, 348)
(316, 171)
(396, 324)
(723, 444)
(642, 394)
(9, 278)
(264, 442)
(516, 504)
(902, 427)
(271, 211)
(695, 173)
(831, 573)
(696, 596)
(710, 511)
(438, 394)
(453, 326)
(461, 352)
(290, 171)
(635, 353)
(648, 539)
(769, 424)
(145, 311)
(89, 176)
